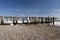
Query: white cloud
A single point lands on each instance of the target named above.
(26, 12)
(18, 10)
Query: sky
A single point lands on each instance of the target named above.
(30, 8)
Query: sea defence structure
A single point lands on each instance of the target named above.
(5, 20)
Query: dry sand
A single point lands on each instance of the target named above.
(29, 32)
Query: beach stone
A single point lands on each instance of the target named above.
(29, 32)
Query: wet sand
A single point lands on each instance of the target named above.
(29, 32)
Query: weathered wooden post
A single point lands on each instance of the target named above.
(48, 21)
(30, 20)
(27, 19)
(13, 20)
(2, 20)
(16, 19)
(42, 20)
(37, 20)
(22, 19)
(53, 20)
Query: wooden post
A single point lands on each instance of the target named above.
(35, 20)
(39, 20)
(53, 20)
(16, 20)
(27, 20)
(31, 20)
(42, 20)
(48, 21)
(13, 20)
(2, 20)
(22, 19)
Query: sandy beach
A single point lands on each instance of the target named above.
(29, 32)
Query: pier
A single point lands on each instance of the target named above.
(26, 20)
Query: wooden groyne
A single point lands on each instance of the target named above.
(27, 20)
